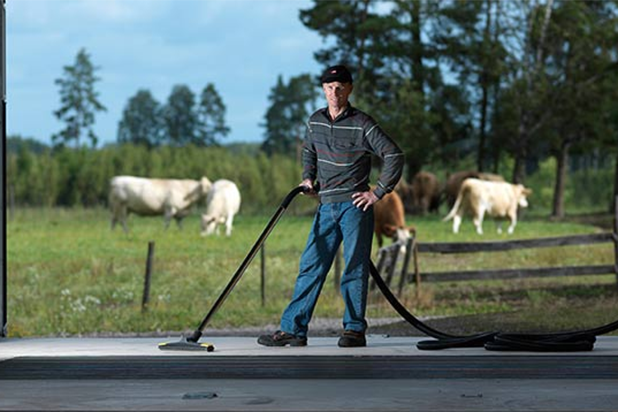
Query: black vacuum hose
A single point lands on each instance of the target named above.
(555, 342)
(575, 341)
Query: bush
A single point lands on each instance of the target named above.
(80, 177)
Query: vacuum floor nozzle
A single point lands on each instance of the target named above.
(185, 344)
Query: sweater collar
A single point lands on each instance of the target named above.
(349, 110)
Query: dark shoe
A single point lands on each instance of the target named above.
(280, 338)
(352, 339)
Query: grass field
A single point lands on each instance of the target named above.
(68, 274)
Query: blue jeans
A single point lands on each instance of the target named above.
(332, 224)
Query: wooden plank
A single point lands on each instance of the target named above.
(494, 274)
(382, 370)
(467, 247)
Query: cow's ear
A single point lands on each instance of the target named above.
(412, 230)
(527, 192)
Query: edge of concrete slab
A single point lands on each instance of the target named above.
(247, 346)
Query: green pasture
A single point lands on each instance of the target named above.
(69, 274)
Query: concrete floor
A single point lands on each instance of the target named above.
(388, 375)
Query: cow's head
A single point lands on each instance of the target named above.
(209, 224)
(200, 191)
(399, 235)
(522, 200)
(205, 185)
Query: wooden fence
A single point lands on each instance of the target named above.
(389, 262)
(388, 259)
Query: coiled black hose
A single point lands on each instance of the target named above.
(576, 341)
(556, 342)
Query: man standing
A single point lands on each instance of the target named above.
(337, 153)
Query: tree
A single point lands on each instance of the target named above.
(609, 141)
(417, 87)
(470, 36)
(581, 66)
(531, 86)
(358, 31)
(142, 121)
(79, 101)
(14, 143)
(211, 117)
(392, 48)
(180, 117)
(290, 107)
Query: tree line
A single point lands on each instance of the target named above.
(79, 177)
(38, 175)
(487, 82)
(184, 119)
(525, 80)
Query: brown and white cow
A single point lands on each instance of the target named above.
(172, 198)
(497, 199)
(389, 219)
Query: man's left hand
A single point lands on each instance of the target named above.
(363, 200)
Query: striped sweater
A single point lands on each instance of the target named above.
(338, 155)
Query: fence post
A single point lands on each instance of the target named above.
(406, 263)
(146, 294)
(263, 273)
(615, 238)
(391, 269)
(417, 272)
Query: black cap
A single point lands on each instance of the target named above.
(338, 73)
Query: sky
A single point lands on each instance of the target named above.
(241, 46)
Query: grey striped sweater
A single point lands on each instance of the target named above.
(338, 155)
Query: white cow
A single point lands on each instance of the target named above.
(171, 198)
(497, 199)
(222, 203)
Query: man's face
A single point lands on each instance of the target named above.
(337, 93)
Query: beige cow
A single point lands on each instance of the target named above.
(171, 198)
(497, 199)
(222, 204)
(454, 181)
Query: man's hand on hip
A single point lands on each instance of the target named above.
(363, 200)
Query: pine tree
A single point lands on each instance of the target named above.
(581, 49)
(471, 40)
(290, 107)
(356, 35)
(79, 101)
(180, 116)
(142, 121)
(211, 117)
